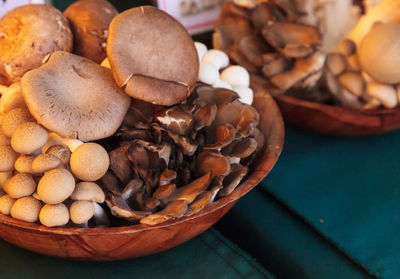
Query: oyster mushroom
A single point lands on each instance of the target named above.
(203, 200)
(173, 210)
(89, 23)
(233, 179)
(120, 208)
(214, 162)
(75, 86)
(26, 42)
(138, 68)
(120, 163)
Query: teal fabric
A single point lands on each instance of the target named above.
(210, 255)
(282, 242)
(349, 190)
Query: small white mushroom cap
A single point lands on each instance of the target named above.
(45, 162)
(6, 202)
(13, 119)
(236, 76)
(347, 47)
(20, 185)
(12, 98)
(245, 93)
(201, 50)
(386, 94)
(246, 3)
(26, 209)
(4, 176)
(222, 84)
(28, 138)
(88, 191)
(81, 211)
(7, 158)
(56, 186)
(216, 57)
(89, 162)
(208, 73)
(24, 163)
(54, 215)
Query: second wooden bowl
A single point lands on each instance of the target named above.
(105, 244)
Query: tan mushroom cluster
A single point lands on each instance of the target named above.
(39, 171)
(272, 39)
(175, 161)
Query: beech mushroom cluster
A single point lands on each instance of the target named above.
(174, 161)
(271, 39)
(363, 72)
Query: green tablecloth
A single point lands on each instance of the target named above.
(210, 255)
(345, 189)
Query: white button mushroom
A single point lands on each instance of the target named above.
(6, 202)
(28, 138)
(45, 162)
(20, 185)
(26, 209)
(56, 186)
(81, 212)
(208, 73)
(201, 50)
(245, 94)
(236, 76)
(54, 215)
(7, 158)
(386, 94)
(89, 162)
(222, 84)
(216, 57)
(13, 119)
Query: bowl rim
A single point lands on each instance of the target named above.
(326, 107)
(266, 163)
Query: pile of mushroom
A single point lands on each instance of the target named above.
(172, 161)
(175, 161)
(363, 72)
(272, 39)
(166, 145)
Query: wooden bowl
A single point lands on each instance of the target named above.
(333, 120)
(115, 243)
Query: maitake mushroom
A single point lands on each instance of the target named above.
(174, 161)
(272, 39)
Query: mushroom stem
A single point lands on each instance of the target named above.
(100, 216)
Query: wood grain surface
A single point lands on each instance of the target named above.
(115, 243)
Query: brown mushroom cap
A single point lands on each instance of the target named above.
(56, 186)
(13, 119)
(89, 161)
(29, 33)
(28, 138)
(20, 185)
(26, 209)
(7, 158)
(89, 22)
(88, 191)
(54, 215)
(75, 97)
(153, 55)
(81, 211)
(379, 53)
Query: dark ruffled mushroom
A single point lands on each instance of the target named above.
(175, 163)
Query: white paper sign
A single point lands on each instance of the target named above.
(196, 15)
(8, 5)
